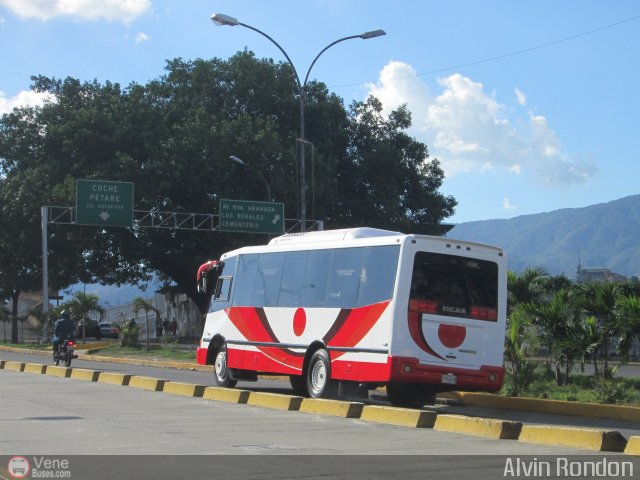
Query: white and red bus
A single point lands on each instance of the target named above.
(367, 307)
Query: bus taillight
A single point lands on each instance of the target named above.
(423, 306)
(484, 313)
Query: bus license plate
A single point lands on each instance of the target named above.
(449, 379)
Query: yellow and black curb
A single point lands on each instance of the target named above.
(589, 439)
(86, 354)
(403, 417)
(555, 407)
(479, 427)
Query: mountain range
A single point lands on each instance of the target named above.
(605, 235)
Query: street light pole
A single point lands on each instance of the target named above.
(221, 19)
(242, 162)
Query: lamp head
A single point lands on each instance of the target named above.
(222, 19)
(373, 34)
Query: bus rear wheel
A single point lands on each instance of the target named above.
(319, 383)
(221, 371)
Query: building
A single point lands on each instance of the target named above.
(598, 275)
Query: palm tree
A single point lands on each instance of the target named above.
(41, 319)
(556, 320)
(81, 305)
(627, 313)
(599, 300)
(519, 338)
(527, 287)
(140, 303)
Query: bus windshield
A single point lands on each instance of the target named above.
(454, 286)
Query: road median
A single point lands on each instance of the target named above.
(554, 407)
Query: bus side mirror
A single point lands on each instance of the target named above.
(207, 276)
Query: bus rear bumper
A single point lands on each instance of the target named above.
(410, 370)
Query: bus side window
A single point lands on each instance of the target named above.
(245, 280)
(316, 276)
(223, 289)
(378, 275)
(292, 279)
(344, 277)
(267, 284)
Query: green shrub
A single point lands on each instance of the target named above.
(129, 334)
(612, 391)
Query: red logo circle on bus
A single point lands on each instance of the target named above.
(451, 336)
(299, 322)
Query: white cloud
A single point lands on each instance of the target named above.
(469, 130)
(521, 98)
(507, 205)
(124, 11)
(142, 37)
(23, 99)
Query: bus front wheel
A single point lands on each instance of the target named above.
(221, 371)
(319, 383)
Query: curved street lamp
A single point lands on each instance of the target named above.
(221, 19)
(242, 162)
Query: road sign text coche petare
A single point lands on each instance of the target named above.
(104, 203)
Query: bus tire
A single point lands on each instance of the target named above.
(319, 383)
(403, 395)
(220, 369)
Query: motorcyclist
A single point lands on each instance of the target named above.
(63, 329)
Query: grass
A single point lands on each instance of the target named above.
(27, 346)
(168, 352)
(165, 351)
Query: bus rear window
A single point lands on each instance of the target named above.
(454, 286)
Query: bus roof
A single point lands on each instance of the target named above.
(333, 235)
(359, 236)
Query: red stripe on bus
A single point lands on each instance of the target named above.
(357, 325)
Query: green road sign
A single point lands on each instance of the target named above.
(251, 217)
(104, 203)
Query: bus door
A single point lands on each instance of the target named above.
(453, 309)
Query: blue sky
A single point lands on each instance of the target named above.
(549, 128)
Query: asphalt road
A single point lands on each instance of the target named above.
(107, 431)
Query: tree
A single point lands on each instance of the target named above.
(4, 318)
(173, 137)
(556, 319)
(520, 337)
(386, 178)
(140, 303)
(526, 288)
(81, 306)
(599, 300)
(627, 313)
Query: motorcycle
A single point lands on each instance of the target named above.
(65, 352)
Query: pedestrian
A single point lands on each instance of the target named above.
(158, 328)
(165, 325)
(173, 327)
